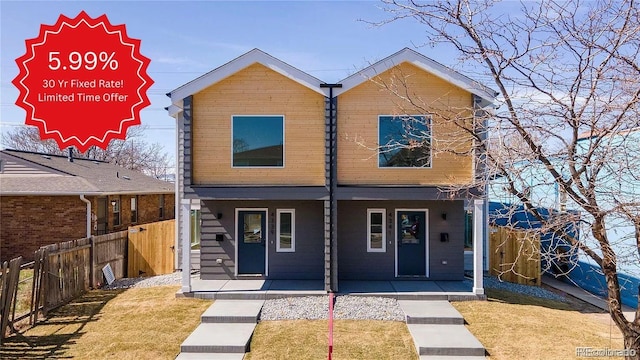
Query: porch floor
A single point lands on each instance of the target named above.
(271, 289)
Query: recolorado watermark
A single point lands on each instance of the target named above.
(606, 352)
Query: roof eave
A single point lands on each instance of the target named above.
(240, 63)
(422, 62)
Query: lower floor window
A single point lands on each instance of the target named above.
(195, 229)
(376, 239)
(286, 240)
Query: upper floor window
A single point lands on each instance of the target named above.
(258, 141)
(404, 141)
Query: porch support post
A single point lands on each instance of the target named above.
(478, 245)
(185, 220)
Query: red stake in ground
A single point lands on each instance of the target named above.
(82, 81)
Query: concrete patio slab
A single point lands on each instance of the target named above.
(416, 286)
(207, 285)
(455, 286)
(297, 285)
(430, 312)
(218, 338)
(445, 340)
(246, 285)
(366, 287)
(233, 311)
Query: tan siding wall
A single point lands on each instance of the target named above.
(358, 111)
(257, 90)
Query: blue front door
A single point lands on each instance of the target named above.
(411, 243)
(252, 234)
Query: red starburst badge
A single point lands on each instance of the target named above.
(83, 81)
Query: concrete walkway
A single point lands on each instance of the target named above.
(585, 296)
(438, 331)
(224, 332)
(227, 326)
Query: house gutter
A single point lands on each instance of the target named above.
(88, 214)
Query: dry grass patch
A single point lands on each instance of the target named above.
(353, 339)
(148, 323)
(513, 326)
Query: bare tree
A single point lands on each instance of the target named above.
(565, 131)
(132, 153)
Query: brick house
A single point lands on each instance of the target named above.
(46, 199)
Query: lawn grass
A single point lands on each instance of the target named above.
(148, 323)
(353, 339)
(513, 326)
(151, 324)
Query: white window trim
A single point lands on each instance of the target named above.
(384, 230)
(293, 230)
(429, 126)
(284, 143)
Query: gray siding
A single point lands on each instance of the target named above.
(355, 263)
(305, 263)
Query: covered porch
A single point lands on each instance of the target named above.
(272, 289)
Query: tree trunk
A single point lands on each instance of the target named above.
(632, 344)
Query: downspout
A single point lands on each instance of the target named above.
(333, 185)
(88, 214)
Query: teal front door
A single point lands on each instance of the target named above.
(252, 242)
(411, 242)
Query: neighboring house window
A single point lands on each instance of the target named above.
(468, 230)
(376, 236)
(286, 225)
(404, 141)
(161, 215)
(134, 209)
(258, 141)
(115, 203)
(195, 229)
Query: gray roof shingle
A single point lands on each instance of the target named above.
(58, 175)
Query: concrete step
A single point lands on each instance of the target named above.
(233, 311)
(210, 356)
(219, 338)
(430, 312)
(445, 340)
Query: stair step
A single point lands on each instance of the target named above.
(210, 356)
(445, 340)
(219, 338)
(430, 312)
(233, 311)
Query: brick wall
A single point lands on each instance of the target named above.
(29, 222)
(148, 210)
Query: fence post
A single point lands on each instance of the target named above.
(92, 267)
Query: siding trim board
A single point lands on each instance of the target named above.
(261, 192)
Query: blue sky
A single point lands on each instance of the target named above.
(185, 39)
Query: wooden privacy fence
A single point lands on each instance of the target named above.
(9, 278)
(514, 255)
(63, 271)
(151, 249)
(109, 249)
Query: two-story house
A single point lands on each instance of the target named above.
(294, 178)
